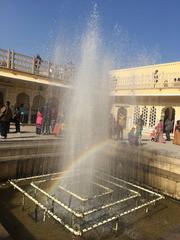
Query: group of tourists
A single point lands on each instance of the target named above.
(117, 128)
(49, 121)
(167, 126)
(6, 117)
(135, 134)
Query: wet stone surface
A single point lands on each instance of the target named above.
(157, 222)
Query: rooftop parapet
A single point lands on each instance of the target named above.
(36, 66)
(160, 76)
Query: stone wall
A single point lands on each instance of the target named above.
(147, 168)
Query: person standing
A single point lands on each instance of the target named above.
(22, 113)
(2, 112)
(17, 116)
(39, 122)
(47, 119)
(139, 128)
(168, 128)
(177, 133)
(53, 118)
(120, 126)
(5, 120)
(37, 63)
(159, 129)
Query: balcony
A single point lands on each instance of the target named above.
(17, 62)
(170, 80)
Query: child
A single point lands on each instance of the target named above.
(153, 135)
(39, 122)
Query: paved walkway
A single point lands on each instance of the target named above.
(28, 133)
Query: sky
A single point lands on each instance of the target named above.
(133, 31)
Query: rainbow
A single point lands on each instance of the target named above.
(77, 163)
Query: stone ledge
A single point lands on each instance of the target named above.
(26, 157)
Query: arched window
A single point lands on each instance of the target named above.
(23, 98)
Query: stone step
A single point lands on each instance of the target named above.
(139, 156)
(28, 156)
(32, 147)
(148, 168)
(29, 165)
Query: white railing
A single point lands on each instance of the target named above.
(27, 64)
(167, 80)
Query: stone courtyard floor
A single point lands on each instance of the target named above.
(164, 220)
(28, 133)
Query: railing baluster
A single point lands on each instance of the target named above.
(8, 58)
(33, 65)
(48, 73)
(19, 62)
(12, 60)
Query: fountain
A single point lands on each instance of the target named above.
(83, 198)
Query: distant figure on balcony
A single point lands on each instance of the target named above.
(156, 78)
(37, 64)
(177, 133)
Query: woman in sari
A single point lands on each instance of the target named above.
(177, 133)
(159, 132)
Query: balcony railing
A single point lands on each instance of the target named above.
(147, 81)
(27, 64)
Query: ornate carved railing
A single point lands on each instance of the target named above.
(19, 62)
(146, 81)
